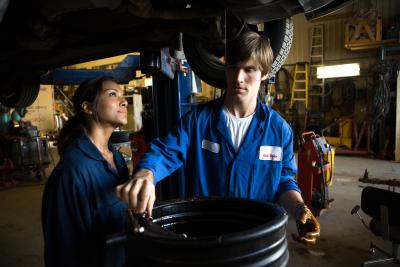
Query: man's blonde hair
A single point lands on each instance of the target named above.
(251, 45)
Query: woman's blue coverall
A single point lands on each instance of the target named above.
(80, 207)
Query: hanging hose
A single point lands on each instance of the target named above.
(381, 102)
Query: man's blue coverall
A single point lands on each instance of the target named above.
(262, 169)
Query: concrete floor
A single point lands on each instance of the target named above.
(344, 241)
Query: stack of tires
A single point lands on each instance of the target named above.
(211, 232)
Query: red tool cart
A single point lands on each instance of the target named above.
(315, 171)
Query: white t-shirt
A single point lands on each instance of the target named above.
(237, 126)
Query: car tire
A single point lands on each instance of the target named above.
(211, 70)
(22, 92)
(280, 32)
(230, 232)
(119, 137)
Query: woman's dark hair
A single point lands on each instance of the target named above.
(76, 126)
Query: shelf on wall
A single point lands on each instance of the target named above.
(363, 34)
(370, 45)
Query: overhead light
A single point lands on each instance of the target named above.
(338, 71)
(148, 82)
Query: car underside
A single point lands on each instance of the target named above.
(38, 36)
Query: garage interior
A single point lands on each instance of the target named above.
(348, 121)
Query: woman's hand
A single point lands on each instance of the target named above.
(139, 192)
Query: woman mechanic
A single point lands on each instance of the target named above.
(79, 204)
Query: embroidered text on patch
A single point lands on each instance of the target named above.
(273, 153)
(210, 146)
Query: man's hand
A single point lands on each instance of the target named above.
(139, 192)
(307, 225)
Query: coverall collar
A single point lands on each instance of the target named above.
(262, 111)
(257, 126)
(90, 150)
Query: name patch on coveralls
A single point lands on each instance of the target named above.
(273, 153)
(210, 146)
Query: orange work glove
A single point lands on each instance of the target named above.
(307, 225)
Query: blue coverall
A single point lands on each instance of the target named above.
(262, 169)
(80, 207)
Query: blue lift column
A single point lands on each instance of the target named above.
(183, 86)
(170, 100)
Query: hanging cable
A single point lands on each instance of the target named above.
(225, 53)
(381, 102)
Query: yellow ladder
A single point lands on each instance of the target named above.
(300, 84)
(317, 60)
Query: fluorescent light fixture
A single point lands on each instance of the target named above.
(148, 82)
(337, 71)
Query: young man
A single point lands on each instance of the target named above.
(234, 146)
